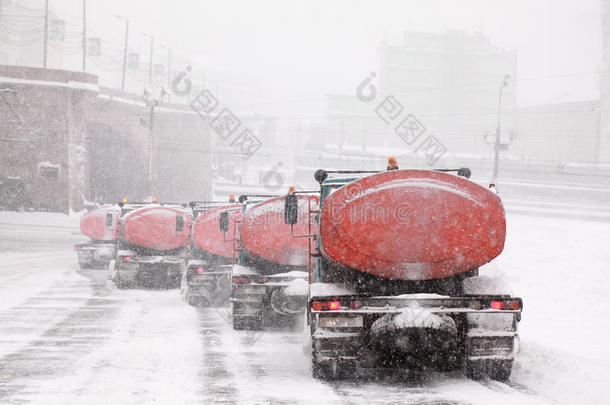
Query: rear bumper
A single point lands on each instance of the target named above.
(171, 267)
(346, 335)
(209, 285)
(248, 300)
(96, 252)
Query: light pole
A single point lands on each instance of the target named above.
(46, 33)
(494, 175)
(150, 62)
(169, 69)
(124, 51)
(84, 35)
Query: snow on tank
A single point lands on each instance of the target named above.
(157, 227)
(412, 225)
(101, 223)
(264, 234)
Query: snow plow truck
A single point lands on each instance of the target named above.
(395, 281)
(269, 280)
(151, 245)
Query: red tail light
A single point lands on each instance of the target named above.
(197, 270)
(326, 306)
(260, 280)
(241, 280)
(506, 305)
(127, 259)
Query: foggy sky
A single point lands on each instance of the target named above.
(290, 54)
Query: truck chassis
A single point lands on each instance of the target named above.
(95, 254)
(131, 270)
(206, 286)
(258, 301)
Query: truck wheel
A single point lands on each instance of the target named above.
(239, 324)
(204, 302)
(475, 370)
(192, 301)
(500, 370)
(321, 371)
(85, 263)
(121, 283)
(256, 323)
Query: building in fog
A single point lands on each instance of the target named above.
(449, 81)
(560, 132)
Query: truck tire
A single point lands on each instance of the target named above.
(192, 301)
(121, 283)
(204, 302)
(322, 371)
(85, 263)
(239, 324)
(475, 370)
(498, 370)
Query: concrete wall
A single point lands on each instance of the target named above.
(97, 140)
(565, 132)
(43, 124)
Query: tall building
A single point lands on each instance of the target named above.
(449, 81)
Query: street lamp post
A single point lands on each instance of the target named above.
(150, 62)
(125, 51)
(46, 34)
(84, 35)
(169, 69)
(494, 175)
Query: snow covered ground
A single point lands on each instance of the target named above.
(67, 336)
(560, 267)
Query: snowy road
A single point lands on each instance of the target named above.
(68, 336)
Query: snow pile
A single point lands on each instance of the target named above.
(414, 317)
(239, 270)
(420, 296)
(329, 290)
(297, 287)
(294, 273)
(484, 285)
(40, 219)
